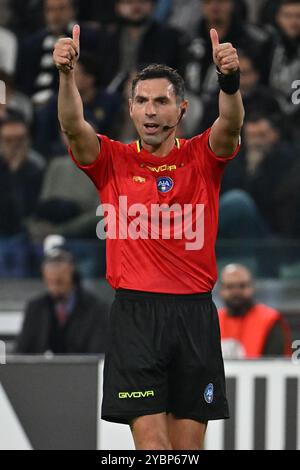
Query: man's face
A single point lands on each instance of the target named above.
(217, 11)
(58, 278)
(260, 135)
(134, 10)
(249, 76)
(154, 106)
(237, 289)
(14, 141)
(58, 14)
(288, 19)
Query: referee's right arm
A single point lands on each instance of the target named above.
(82, 138)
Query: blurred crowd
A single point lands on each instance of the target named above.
(41, 191)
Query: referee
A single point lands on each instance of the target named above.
(164, 372)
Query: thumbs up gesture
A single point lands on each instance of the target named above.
(225, 55)
(66, 51)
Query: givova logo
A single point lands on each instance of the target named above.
(136, 395)
(2, 92)
(2, 353)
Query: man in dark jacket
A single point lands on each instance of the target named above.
(263, 168)
(36, 73)
(65, 320)
(137, 41)
(21, 172)
(222, 15)
(283, 62)
(255, 95)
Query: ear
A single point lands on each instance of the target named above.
(184, 107)
(130, 103)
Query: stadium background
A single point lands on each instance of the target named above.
(260, 200)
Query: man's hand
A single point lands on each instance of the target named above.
(225, 55)
(66, 51)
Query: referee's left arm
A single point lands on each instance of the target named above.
(226, 131)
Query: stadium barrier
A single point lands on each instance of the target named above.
(53, 403)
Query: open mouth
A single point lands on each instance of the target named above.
(151, 128)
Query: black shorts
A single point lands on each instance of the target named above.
(164, 356)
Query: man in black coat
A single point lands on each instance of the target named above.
(21, 176)
(65, 320)
(136, 41)
(223, 15)
(36, 74)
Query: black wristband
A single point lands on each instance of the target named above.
(230, 84)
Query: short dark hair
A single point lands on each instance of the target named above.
(161, 71)
(273, 120)
(14, 117)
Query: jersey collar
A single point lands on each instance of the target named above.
(140, 147)
(152, 158)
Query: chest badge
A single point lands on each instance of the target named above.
(139, 179)
(165, 184)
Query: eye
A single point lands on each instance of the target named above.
(140, 100)
(163, 101)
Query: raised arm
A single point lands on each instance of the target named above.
(225, 133)
(82, 138)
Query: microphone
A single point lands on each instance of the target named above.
(168, 128)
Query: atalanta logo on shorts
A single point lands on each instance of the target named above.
(165, 184)
(209, 394)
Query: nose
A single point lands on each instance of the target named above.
(150, 109)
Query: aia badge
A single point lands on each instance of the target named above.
(209, 394)
(165, 184)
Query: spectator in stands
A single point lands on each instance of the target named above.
(24, 168)
(260, 170)
(100, 108)
(66, 319)
(268, 11)
(181, 15)
(249, 330)
(67, 205)
(255, 95)
(186, 15)
(36, 73)
(8, 51)
(102, 11)
(20, 180)
(284, 59)
(25, 18)
(220, 14)
(16, 102)
(137, 41)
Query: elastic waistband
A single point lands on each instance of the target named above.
(135, 294)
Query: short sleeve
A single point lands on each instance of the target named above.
(99, 170)
(211, 165)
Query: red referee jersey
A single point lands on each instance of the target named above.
(190, 176)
